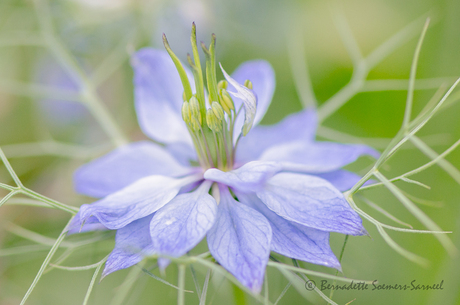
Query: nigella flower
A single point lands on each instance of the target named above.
(273, 187)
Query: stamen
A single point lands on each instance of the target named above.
(226, 101)
(211, 129)
(223, 84)
(218, 111)
(186, 114)
(248, 84)
(195, 110)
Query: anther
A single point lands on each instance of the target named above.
(248, 84)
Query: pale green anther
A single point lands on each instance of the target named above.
(223, 84)
(182, 74)
(195, 109)
(186, 114)
(195, 123)
(209, 119)
(227, 100)
(248, 84)
(194, 106)
(218, 110)
(224, 106)
(213, 122)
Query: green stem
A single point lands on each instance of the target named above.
(181, 284)
(340, 260)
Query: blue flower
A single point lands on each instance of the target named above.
(275, 188)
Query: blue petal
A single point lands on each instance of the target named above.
(240, 241)
(294, 240)
(249, 101)
(300, 126)
(248, 178)
(78, 226)
(262, 76)
(124, 166)
(183, 153)
(130, 242)
(158, 95)
(341, 179)
(316, 157)
(135, 201)
(312, 202)
(181, 224)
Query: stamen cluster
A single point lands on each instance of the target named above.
(211, 129)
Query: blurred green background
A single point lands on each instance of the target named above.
(100, 35)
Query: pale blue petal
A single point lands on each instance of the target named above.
(183, 153)
(249, 102)
(181, 224)
(316, 157)
(312, 202)
(294, 240)
(240, 241)
(248, 178)
(135, 201)
(130, 243)
(125, 165)
(341, 179)
(91, 224)
(262, 76)
(158, 96)
(300, 126)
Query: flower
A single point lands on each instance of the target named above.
(275, 188)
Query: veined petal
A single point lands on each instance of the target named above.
(312, 202)
(158, 96)
(240, 240)
(294, 240)
(262, 76)
(300, 126)
(135, 201)
(248, 178)
(316, 157)
(130, 243)
(181, 224)
(125, 165)
(249, 101)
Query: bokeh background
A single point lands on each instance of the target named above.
(46, 134)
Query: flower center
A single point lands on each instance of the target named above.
(210, 118)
